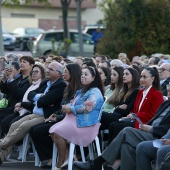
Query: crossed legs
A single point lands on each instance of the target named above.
(16, 132)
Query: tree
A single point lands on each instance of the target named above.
(136, 27)
(1, 38)
(78, 3)
(65, 6)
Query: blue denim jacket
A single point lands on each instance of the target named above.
(87, 107)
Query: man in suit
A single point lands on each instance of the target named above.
(147, 151)
(124, 145)
(46, 98)
(164, 75)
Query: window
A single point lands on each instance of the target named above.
(57, 36)
(75, 38)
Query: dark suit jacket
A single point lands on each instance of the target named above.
(51, 101)
(163, 86)
(14, 91)
(149, 106)
(164, 125)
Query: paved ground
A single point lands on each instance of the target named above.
(13, 164)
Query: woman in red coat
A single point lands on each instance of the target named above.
(147, 102)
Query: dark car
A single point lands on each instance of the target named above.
(25, 37)
(8, 40)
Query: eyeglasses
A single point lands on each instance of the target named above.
(34, 72)
(163, 69)
(53, 69)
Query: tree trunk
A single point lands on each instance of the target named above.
(65, 5)
(81, 51)
(1, 38)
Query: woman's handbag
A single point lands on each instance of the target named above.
(3, 102)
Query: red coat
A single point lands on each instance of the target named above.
(152, 101)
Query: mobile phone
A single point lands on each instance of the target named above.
(137, 118)
(9, 65)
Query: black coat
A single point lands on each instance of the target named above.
(163, 86)
(15, 90)
(50, 102)
(164, 125)
(130, 100)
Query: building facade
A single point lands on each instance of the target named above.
(39, 16)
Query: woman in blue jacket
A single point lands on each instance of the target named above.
(81, 124)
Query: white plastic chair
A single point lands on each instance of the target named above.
(27, 139)
(72, 146)
(103, 143)
(71, 153)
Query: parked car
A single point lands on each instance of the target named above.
(8, 40)
(43, 45)
(25, 36)
(89, 29)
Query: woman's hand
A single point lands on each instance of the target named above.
(18, 105)
(66, 109)
(146, 128)
(53, 117)
(130, 116)
(166, 141)
(17, 109)
(7, 72)
(11, 76)
(123, 106)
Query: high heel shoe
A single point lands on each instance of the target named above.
(65, 164)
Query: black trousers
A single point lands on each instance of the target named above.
(108, 118)
(6, 112)
(116, 127)
(42, 140)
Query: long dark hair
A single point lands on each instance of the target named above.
(107, 73)
(135, 84)
(97, 82)
(154, 73)
(114, 98)
(75, 76)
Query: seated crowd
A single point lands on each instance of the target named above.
(59, 100)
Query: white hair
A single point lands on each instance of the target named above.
(117, 61)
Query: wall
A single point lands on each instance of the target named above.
(47, 18)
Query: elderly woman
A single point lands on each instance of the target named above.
(82, 116)
(116, 63)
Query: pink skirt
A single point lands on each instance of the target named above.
(68, 130)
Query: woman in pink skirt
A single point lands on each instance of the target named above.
(81, 124)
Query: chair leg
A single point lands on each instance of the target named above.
(37, 160)
(91, 154)
(54, 157)
(71, 153)
(82, 153)
(98, 146)
(25, 147)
